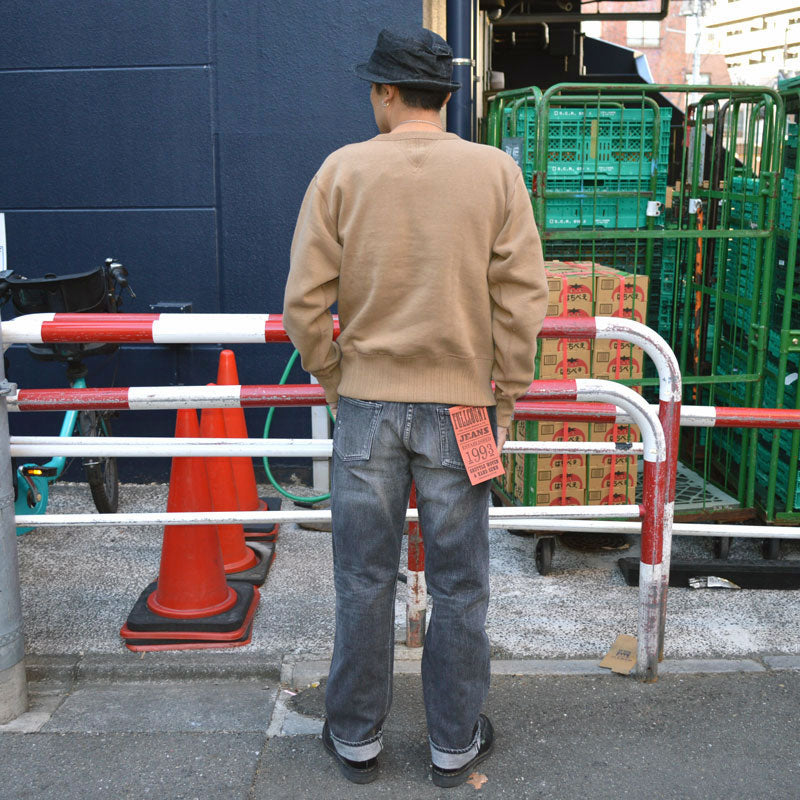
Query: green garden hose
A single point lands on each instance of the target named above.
(267, 425)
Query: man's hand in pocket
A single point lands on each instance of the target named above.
(502, 435)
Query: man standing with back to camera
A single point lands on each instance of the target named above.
(429, 245)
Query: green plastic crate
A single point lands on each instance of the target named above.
(625, 254)
(600, 141)
(588, 209)
(763, 459)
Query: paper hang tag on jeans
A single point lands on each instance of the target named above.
(476, 443)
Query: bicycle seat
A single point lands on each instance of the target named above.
(80, 292)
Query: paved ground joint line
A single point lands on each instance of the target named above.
(41, 708)
(286, 722)
(300, 673)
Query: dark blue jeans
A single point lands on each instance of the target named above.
(377, 449)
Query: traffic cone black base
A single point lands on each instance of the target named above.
(227, 625)
(147, 645)
(268, 531)
(265, 552)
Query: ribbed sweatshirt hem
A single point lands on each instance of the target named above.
(417, 379)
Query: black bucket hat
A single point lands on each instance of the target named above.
(413, 57)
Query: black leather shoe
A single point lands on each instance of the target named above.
(446, 778)
(354, 771)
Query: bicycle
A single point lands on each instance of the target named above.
(98, 290)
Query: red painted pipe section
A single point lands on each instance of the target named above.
(757, 418)
(274, 332)
(416, 604)
(563, 410)
(66, 399)
(568, 328)
(653, 500)
(115, 328)
(299, 394)
(416, 549)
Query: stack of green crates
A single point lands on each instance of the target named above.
(763, 461)
(783, 491)
(662, 289)
(594, 149)
(591, 150)
(625, 254)
(739, 281)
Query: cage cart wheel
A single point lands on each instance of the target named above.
(771, 549)
(543, 555)
(722, 547)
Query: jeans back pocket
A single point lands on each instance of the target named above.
(356, 423)
(451, 455)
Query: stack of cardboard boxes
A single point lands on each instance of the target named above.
(581, 290)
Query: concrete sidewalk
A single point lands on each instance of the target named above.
(101, 728)
(106, 723)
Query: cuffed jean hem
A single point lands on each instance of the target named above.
(453, 759)
(358, 751)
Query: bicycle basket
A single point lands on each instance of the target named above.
(81, 292)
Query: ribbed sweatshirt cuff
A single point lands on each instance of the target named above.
(505, 411)
(330, 381)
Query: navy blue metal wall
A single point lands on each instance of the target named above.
(177, 137)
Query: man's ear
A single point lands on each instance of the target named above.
(447, 99)
(390, 92)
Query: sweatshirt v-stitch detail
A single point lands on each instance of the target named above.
(421, 152)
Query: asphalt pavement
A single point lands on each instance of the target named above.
(722, 721)
(231, 729)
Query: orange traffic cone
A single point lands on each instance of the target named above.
(138, 645)
(236, 428)
(243, 562)
(191, 605)
(191, 580)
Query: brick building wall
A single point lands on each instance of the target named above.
(669, 61)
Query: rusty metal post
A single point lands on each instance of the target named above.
(416, 600)
(656, 523)
(655, 511)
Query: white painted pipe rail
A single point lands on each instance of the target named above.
(543, 519)
(163, 447)
(657, 447)
(498, 516)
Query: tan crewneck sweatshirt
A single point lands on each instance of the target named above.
(428, 244)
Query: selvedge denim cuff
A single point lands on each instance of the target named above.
(359, 751)
(453, 759)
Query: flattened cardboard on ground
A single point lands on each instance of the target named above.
(621, 658)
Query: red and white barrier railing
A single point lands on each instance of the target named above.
(658, 446)
(654, 512)
(250, 328)
(139, 398)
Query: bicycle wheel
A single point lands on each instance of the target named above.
(100, 472)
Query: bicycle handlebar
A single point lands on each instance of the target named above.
(115, 272)
(119, 274)
(5, 285)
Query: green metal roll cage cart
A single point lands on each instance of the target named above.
(707, 208)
